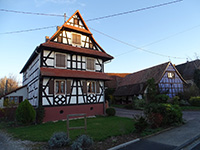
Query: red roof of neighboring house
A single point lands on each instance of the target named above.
(85, 51)
(122, 75)
(116, 79)
(64, 73)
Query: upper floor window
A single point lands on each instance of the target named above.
(90, 64)
(170, 75)
(76, 39)
(60, 60)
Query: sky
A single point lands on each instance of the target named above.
(136, 40)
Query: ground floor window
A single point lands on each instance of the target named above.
(13, 100)
(60, 87)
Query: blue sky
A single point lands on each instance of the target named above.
(173, 29)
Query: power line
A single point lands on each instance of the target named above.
(31, 13)
(98, 18)
(136, 47)
(133, 11)
(28, 30)
(160, 40)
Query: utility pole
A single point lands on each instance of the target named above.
(64, 17)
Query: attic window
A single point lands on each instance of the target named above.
(76, 21)
(170, 75)
(76, 39)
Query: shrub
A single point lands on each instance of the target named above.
(40, 112)
(139, 103)
(161, 98)
(128, 106)
(83, 142)
(176, 100)
(184, 103)
(25, 113)
(58, 139)
(140, 123)
(171, 114)
(191, 91)
(155, 120)
(110, 111)
(195, 101)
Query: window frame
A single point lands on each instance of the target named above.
(171, 75)
(94, 86)
(55, 87)
(75, 43)
(87, 64)
(55, 64)
(75, 21)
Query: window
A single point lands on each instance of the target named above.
(170, 75)
(90, 64)
(91, 87)
(60, 87)
(76, 21)
(76, 39)
(60, 60)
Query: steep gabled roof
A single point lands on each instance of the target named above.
(187, 69)
(142, 76)
(50, 44)
(135, 83)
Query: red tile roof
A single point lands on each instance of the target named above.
(64, 73)
(70, 48)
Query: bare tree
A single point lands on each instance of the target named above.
(8, 84)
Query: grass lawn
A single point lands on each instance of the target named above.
(98, 128)
(190, 108)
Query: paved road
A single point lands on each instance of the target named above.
(148, 145)
(187, 115)
(170, 139)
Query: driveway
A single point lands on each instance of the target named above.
(8, 143)
(187, 115)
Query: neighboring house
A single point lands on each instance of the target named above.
(116, 79)
(17, 96)
(65, 74)
(187, 70)
(165, 75)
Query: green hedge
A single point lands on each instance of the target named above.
(171, 114)
(195, 101)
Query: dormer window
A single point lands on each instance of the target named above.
(170, 75)
(76, 39)
(90, 64)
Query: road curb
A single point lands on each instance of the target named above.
(187, 143)
(124, 144)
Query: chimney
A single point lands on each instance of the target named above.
(58, 27)
(46, 38)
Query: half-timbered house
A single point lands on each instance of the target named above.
(166, 76)
(65, 74)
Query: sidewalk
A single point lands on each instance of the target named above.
(171, 139)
